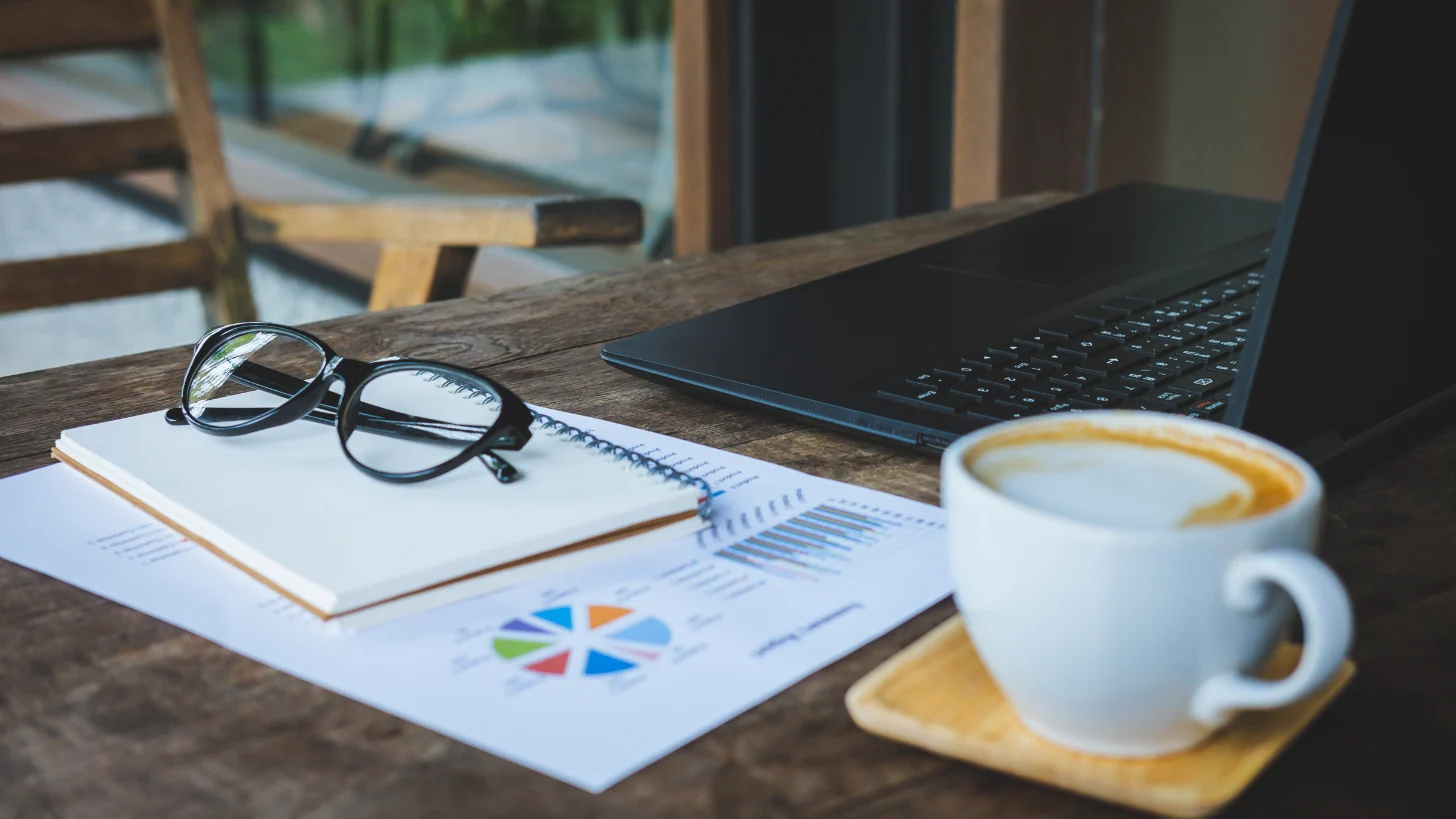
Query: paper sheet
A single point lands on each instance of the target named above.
(587, 676)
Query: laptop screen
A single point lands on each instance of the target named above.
(1359, 323)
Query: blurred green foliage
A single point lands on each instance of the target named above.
(307, 40)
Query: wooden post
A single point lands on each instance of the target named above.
(1023, 97)
(700, 48)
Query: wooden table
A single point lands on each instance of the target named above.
(107, 712)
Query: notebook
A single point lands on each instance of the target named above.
(286, 506)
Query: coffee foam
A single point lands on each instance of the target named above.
(1141, 476)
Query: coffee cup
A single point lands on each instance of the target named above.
(1125, 575)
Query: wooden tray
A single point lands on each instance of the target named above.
(937, 695)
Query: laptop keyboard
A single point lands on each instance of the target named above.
(1178, 355)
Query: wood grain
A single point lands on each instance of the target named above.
(938, 695)
(106, 712)
(703, 207)
(411, 274)
(450, 220)
(34, 27)
(65, 279)
(1022, 106)
(211, 207)
(90, 149)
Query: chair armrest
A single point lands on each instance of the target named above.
(448, 220)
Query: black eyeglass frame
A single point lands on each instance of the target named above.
(510, 431)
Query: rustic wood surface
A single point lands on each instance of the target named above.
(107, 712)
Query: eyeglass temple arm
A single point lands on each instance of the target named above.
(500, 467)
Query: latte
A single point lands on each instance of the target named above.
(1133, 476)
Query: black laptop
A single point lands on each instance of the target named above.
(1319, 324)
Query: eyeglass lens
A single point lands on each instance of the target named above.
(441, 418)
(224, 389)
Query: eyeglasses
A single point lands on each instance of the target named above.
(420, 419)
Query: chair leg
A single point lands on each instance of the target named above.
(230, 299)
(416, 274)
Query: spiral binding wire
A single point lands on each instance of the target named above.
(561, 429)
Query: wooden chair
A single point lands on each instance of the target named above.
(429, 244)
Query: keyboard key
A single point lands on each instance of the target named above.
(1202, 382)
(1146, 322)
(1015, 349)
(1054, 360)
(1002, 412)
(1130, 304)
(1205, 324)
(1176, 399)
(923, 398)
(1151, 346)
(1122, 331)
(1232, 341)
(975, 392)
(1038, 338)
(999, 382)
(1179, 334)
(1102, 315)
(1207, 298)
(1126, 389)
(1212, 406)
(1068, 327)
(1087, 345)
(1099, 400)
(1060, 406)
(1152, 405)
(1074, 379)
(1148, 375)
(1178, 363)
(1030, 368)
(1174, 312)
(958, 371)
(988, 361)
(1203, 352)
(1053, 389)
(927, 380)
(1026, 400)
(1228, 365)
(1112, 362)
(1060, 357)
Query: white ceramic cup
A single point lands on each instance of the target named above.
(1137, 642)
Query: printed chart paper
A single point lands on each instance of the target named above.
(587, 676)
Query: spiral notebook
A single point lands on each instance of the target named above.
(286, 506)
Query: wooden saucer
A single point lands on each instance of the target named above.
(937, 695)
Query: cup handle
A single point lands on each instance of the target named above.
(1324, 608)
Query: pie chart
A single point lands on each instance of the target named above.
(589, 640)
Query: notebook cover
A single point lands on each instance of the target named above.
(288, 506)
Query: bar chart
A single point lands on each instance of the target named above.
(815, 544)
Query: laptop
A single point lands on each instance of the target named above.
(1321, 324)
